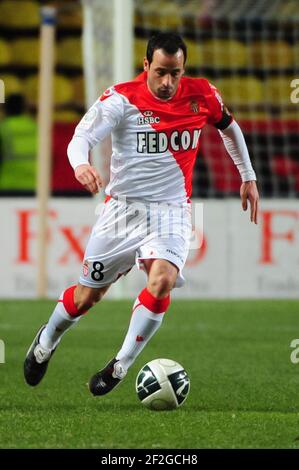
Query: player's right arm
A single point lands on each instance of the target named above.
(88, 176)
(99, 121)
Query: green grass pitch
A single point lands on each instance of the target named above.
(244, 388)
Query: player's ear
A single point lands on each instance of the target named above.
(145, 64)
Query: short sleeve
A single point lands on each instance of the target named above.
(215, 104)
(219, 116)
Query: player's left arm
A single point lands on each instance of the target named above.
(235, 145)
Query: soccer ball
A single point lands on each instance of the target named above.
(162, 384)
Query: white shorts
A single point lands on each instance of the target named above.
(125, 234)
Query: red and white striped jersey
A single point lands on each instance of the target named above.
(154, 142)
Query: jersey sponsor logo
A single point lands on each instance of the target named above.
(148, 118)
(106, 94)
(175, 254)
(160, 142)
(89, 118)
(148, 113)
(85, 268)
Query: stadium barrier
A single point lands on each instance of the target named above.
(237, 259)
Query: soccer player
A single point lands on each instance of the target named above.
(155, 122)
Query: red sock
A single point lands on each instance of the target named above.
(152, 303)
(69, 304)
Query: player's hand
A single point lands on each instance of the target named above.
(88, 176)
(249, 191)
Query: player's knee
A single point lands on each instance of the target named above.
(161, 285)
(87, 300)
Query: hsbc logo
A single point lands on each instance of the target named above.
(148, 118)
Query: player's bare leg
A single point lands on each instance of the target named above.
(148, 312)
(73, 303)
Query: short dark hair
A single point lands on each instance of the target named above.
(169, 42)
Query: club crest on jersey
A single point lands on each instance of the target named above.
(160, 142)
(148, 118)
(85, 268)
(194, 106)
(106, 94)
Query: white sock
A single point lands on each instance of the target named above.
(59, 322)
(143, 325)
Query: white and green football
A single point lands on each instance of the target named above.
(162, 384)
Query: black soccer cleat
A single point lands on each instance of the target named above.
(107, 379)
(36, 361)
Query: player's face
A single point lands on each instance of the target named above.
(164, 73)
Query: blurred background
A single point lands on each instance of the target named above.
(248, 49)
